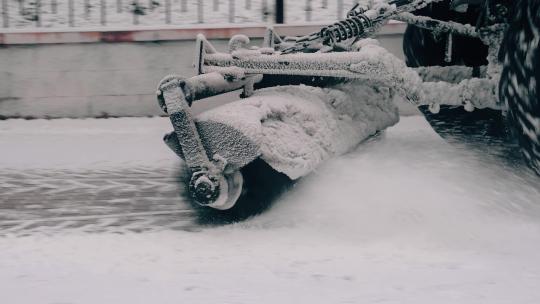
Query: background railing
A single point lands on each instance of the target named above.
(94, 13)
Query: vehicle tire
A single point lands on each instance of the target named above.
(422, 48)
(520, 80)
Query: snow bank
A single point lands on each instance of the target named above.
(299, 127)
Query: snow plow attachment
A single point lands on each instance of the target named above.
(304, 100)
(292, 128)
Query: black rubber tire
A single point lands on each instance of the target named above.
(421, 48)
(520, 80)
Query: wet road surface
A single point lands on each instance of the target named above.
(128, 200)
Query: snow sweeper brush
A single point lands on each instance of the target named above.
(307, 99)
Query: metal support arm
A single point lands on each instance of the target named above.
(175, 96)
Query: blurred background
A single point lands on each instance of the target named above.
(84, 13)
(104, 58)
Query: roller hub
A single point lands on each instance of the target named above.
(218, 192)
(204, 188)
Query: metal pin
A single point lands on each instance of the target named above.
(449, 48)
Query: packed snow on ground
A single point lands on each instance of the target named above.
(405, 218)
(153, 13)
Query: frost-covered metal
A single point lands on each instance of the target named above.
(294, 128)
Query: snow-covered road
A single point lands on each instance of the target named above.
(405, 218)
